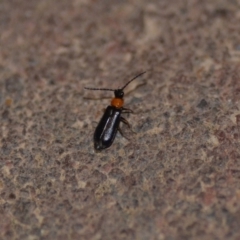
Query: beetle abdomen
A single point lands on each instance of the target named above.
(107, 128)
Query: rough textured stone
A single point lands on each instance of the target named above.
(177, 177)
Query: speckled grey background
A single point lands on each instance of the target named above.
(177, 177)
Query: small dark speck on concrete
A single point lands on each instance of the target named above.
(202, 104)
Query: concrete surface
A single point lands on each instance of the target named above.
(177, 177)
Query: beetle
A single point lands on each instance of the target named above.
(108, 126)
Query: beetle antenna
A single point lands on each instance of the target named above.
(133, 79)
(109, 89)
(104, 89)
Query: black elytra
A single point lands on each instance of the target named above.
(108, 126)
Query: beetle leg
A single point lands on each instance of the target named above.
(127, 110)
(121, 132)
(127, 123)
